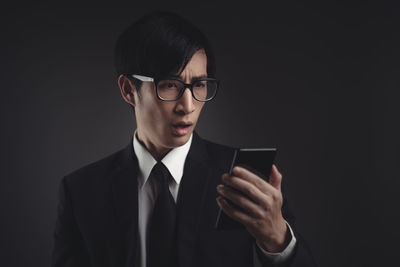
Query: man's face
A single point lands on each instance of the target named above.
(163, 125)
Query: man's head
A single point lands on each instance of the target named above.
(159, 45)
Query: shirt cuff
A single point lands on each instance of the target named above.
(285, 254)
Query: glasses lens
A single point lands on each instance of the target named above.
(169, 89)
(205, 89)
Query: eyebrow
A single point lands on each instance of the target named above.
(194, 78)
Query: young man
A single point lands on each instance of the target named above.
(155, 202)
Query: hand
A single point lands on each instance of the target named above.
(261, 204)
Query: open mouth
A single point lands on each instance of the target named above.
(182, 128)
(182, 125)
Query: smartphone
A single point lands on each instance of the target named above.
(256, 160)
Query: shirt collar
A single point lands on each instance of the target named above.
(174, 160)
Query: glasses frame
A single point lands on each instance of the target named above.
(185, 85)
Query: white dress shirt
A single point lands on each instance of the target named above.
(174, 160)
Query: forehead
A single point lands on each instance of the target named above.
(196, 67)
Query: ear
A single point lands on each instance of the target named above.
(127, 89)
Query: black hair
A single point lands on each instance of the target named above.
(160, 44)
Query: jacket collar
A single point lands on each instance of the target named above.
(125, 201)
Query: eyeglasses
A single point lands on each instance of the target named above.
(171, 89)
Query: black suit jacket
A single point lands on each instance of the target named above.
(97, 219)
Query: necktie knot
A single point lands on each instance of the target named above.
(161, 173)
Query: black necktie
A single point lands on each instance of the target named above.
(162, 242)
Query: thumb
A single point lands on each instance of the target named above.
(275, 179)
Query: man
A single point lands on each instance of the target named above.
(155, 202)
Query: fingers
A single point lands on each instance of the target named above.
(232, 212)
(245, 187)
(258, 181)
(252, 201)
(275, 179)
(242, 201)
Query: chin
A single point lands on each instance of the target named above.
(179, 140)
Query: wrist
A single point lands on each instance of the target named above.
(278, 242)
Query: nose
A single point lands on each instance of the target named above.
(185, 104)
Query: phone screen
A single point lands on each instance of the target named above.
(256, 160)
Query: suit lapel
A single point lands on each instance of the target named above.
(192, 192)
(125, 197)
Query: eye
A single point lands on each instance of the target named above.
(170, 85)
(199, 84)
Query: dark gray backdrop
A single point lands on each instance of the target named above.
(319, 82)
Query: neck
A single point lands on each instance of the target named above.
(156, 152)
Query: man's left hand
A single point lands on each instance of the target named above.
(261, 204)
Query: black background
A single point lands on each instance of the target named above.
(317, 81)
